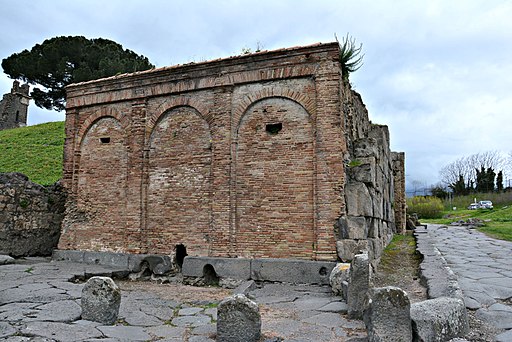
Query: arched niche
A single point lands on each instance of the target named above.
(101, 186)
(275, 181)
(179, 182)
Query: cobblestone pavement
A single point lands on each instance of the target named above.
(483, 267)
(39, 303)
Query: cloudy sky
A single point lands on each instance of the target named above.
(437, 72)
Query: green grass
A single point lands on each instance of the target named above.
(398, 242)
(498, 199)
(497, 222)
(36, 151)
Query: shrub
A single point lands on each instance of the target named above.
(425, 206)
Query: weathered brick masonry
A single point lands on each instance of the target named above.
(240, 157)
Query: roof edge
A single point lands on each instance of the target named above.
(177, 67)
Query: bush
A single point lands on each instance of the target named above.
(426, 207)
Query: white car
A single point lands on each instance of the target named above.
(485, 205)
(473, 206)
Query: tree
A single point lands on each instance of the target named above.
(499, 181)
(459, 187)
(469, 165)
(439, 191)
(60, 61)
(485, 179)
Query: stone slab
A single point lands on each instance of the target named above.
(292, 271)
(504, 337)
(106, 259)
(191, 321)
(126, 261)
(189, 311)
(326, 319)
(125, 333)
(167, 332)
(245, 287)
(6, 330)
(499, 319)
(61, 331)
(61, 311)
(6, 260)
(235, 268)
(68, 255)
(340, 307)
(142, 319)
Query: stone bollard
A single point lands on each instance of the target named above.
(388, 316)
(439, 319)
(101, 298)
(338, 279)
(238, 319)
(358, 285)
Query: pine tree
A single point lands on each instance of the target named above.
(60, 61)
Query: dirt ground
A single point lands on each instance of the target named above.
(399, 266)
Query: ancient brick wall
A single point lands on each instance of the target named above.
(241, 157)
(14, 107)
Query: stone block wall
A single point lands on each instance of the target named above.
(368, 222)
(400, 204)
(30, 216)
(14, 107)
(241, 157)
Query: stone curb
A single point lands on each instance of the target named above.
(436, 275)
(279, 270)
(443, 290)
(125, 261)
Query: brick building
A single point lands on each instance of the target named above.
(248, 156)
(14, 107)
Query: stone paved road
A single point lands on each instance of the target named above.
(484, 270)
(38, 303)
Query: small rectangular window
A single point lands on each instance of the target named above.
(274, 128)
(105, 140)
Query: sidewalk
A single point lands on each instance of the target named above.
(37, 302)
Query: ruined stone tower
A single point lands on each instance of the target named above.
(14, 107)
(268, 155)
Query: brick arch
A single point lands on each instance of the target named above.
(100, 186)
(123, 119)
(179, 168)
(274, 181)
(303, 100)
(182, 101)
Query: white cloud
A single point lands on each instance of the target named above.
(437, 72)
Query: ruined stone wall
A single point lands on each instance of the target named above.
(30, 216)
(241, 157)
(14, 106)
(368, 223)
(399, 205)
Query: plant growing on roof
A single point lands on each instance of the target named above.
(351, 58)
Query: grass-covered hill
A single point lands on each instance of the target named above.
(35, 151)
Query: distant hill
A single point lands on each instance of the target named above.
(36, 151)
